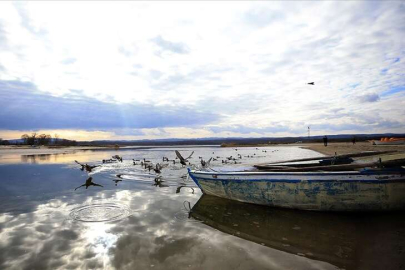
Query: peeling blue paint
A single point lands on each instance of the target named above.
(369, 191)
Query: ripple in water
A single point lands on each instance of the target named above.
(103, 212)
(184, 216)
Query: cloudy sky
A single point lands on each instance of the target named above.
(137, 70)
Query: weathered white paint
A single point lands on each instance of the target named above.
(325, 191)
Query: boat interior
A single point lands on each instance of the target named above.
(372, 160)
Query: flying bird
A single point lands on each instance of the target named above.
(311, 83)
(86, 166)
(182, 159)
(205, 163)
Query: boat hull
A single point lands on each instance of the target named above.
(322, 191)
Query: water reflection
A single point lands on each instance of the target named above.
(150, 228)
(36, 158)
(159, 182)
(89, 182)
(184, 186)
(116, 181)
(346, 240)
(64, 157)
(100, 212)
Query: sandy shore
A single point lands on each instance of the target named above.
(348, 148)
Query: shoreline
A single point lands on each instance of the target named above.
(340, 148)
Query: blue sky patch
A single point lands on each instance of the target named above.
(393, 90)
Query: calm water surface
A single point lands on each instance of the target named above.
(136, 221)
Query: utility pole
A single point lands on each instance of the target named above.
(309, 132)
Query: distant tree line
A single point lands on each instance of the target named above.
(35, 139)
(46, 139)
(4, 142)
(247, 141)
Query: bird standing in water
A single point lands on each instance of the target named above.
(158, 168)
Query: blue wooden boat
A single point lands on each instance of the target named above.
(363, 190)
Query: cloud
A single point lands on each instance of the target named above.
(3, 36)
(368, 98)
(364, 127)
(248, 129)
(262, 16)
(69, 61)
(26, 20)
(192, 78)
(174, 47)
(248, 66)
(124, 51)
(128, 132)
(25, 108)
(155, 74)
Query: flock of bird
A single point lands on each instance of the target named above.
(158, 167)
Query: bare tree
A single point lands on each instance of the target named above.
(48, 138)
(56, 136)
(33, 138)
(44, 139)
(25, 138)
(30, 140)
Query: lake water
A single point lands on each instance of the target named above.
(138, 221)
